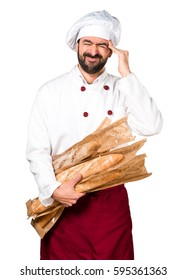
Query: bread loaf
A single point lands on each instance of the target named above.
(90, 167)
(75, 155)
(132, 170)
(111, 136)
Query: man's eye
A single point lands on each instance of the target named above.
(103, 46)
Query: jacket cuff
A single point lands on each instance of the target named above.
(45, 196)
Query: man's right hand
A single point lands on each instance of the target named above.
(66, 193)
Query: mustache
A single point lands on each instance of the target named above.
(92, 56)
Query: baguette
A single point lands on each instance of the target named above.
(132, 170)
(112, 136)
(75, 155)
(97, 181)
(90, 167)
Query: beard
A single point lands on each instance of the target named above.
(91, 68)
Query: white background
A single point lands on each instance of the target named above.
(33, 51)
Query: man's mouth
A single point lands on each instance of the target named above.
(91, 59)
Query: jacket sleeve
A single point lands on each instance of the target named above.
(38, 151)
(144, 117)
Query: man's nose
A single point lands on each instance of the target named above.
(94, 49)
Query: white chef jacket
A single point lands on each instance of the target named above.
(67, 109)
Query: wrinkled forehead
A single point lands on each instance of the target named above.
(94, 40)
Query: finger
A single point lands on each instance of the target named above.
(116, 50)
(67, 204)
(80, 194)
(76, 179)
(111, 46)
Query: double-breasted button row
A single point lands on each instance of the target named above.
(83, 88)
(86, 114)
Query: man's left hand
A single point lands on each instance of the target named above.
(123, 63)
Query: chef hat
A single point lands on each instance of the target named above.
(97, 24)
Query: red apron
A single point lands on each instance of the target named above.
(97, 227)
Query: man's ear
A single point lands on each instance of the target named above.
(77, 45)
(110, 54)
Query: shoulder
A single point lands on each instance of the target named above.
(56, 82)
(113, 77)
(49, 91)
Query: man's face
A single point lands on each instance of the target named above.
(93, 54)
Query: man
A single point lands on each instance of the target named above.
(95, 225)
